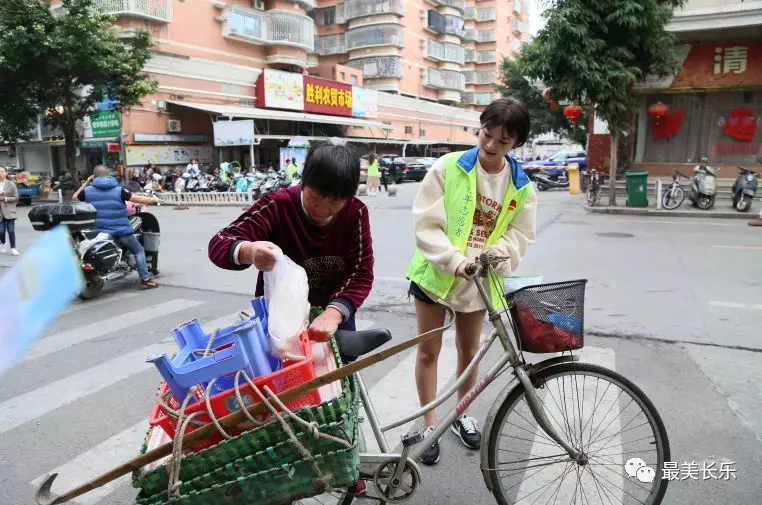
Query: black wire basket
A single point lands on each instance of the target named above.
(549, 317)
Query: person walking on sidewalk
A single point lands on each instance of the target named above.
(470, 202)
(374, 177)
(9, 196)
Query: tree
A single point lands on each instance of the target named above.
(595, 52)
(513, 83)
(74, 59)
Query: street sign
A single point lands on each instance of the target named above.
(102, 124)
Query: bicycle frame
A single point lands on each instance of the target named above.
(510, 357)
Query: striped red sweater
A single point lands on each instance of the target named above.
(338, 258)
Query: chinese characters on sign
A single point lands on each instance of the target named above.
(740, 124)
(324, 95)
(730, 60)
(103, 124)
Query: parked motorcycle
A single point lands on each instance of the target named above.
(102, 257)
(703, 186)
(744, 189)
(544, 181)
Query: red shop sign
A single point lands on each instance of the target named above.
(327, 97)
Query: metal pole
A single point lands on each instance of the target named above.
(251, 156)
(658, 193)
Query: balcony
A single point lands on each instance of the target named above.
(480, 77)
(329, 16)
(485, 14)
(469, 13)
(330, 44)
(471, 98)
(379, 67)
(444, 79)
(270, 27)
(152, 10)
(486, 57)
(486, 36)
(458, 4)
(471, 34)
(445, 51)
(520, 27)
(375, 35)
(518, 8)
(360, 8)
(445, 24)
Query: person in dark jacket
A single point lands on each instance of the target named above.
(109, 199)
(321, 226)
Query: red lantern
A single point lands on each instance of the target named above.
(658, 112)
(573, 112)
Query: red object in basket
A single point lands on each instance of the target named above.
(540, 336)
(293, 373)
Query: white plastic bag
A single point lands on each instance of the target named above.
(286, 292)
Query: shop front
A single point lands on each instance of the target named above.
(711, 108)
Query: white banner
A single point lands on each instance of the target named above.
(166, 154)
(234, 133)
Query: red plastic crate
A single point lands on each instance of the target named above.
(224, 403)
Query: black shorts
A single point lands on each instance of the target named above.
(416, 292)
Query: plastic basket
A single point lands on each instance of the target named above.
(264, 458)
(151, 241)
(225, 402)
(549, 317)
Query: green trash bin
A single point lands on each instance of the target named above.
(637, 189)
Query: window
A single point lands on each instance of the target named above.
(485, 14)
(408, 130)
(486, 35)
(245, 23)
(354, 79)
(329, 15)
(421, 133)
(343, 76)
(452, 25)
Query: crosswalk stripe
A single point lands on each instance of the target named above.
(541, 485)
(395, 395)
(60, 341)
(91, 304)
(92, 463)
(39, 402)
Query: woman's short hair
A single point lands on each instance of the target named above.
(509, 113)
(332, 170)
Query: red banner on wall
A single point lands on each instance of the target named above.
(327, 97)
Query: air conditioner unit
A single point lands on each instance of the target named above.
(174, 126)
(258, 4)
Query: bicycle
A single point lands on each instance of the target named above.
(569, 448)
(673, 196)
(593, 188)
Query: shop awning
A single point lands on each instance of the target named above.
(230, 111)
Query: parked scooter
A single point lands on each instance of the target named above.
(544, 181)
(703, 186)
(744, 189)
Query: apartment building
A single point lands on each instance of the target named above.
(714, 101)
(420, 71)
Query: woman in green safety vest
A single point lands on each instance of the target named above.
(469, 202)
(291, 169)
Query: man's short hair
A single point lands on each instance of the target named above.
(101, 171)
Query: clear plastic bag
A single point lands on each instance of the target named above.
(286, 293)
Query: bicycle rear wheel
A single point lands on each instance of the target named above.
(673, 199)
(600, 413)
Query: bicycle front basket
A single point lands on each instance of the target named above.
(549, 317)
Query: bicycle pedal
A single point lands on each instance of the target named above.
(413, 437)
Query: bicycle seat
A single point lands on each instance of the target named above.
(353, 344)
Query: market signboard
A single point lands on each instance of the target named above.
(102, 124)
(280, 90)
(327, 97)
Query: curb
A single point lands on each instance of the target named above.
(629, 211)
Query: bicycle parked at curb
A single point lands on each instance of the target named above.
(674, 194)
(559, 432)
(593, 187)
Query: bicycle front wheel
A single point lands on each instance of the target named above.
(673, 198)
(600, 413)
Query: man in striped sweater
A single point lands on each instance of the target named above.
(321, 226)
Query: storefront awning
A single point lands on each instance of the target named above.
(230, 111)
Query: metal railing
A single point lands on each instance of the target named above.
(206, 198)
(480, 77)
(160, 10)
(486, 36)
(358, 8)
(485, 14)
(471, 34)
(379, 67)
(271, 27)
(287, 28)
(376, 35)
(330, 44)
(458, 4)
(445, 51)
(472, 98)
(486, 57)
(469, 13)
(445, 79)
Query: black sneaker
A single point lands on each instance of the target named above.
(465, 428)
(431, 456)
